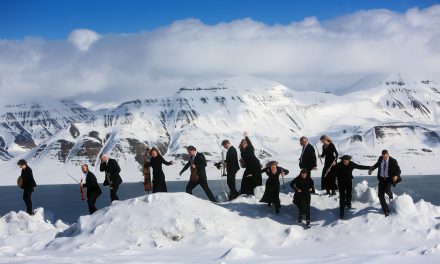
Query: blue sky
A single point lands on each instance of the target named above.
(54, 19)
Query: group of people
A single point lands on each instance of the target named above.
(303, 185)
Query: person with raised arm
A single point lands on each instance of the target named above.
(112, 177)
(252, 174)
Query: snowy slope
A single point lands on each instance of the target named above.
(397, 112)
(179, 228)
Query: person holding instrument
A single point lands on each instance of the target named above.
(197, 163)
(328, 179)
(93, 190)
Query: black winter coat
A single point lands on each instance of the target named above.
(248, 155)
(28, 178)
(330, 153)
(304, 185)
(308, 158)
(344, 173)
(156, 164)
(271, 193)
(200, 162)
(232, 160)
(92, 185)
(112, 169)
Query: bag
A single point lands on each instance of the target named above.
(242, 163)
(20, 182)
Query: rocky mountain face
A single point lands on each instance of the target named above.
(398, 113)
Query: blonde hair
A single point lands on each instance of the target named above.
(325, 137)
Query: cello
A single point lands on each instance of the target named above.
(194, 177)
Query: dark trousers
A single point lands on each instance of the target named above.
(328, 182)
(247, 185)
(91, 200)
(384, 188)
(159, 184)
(113, 191)
(303, 205)
(27, 197)
(231, 184)
(204, 184)
(345, 189)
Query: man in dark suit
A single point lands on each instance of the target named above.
(388, 174)
(197, 161)
(231, 168)
(112, 178)
(93, 190)
(28, 184)
(307, 160)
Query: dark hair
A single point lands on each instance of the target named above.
(326, 138)
(272, 163)
(224, 142)
(21, 162)
(190, 148)
(303, 137)
(384, 152)
(155, 150)
(304, 171)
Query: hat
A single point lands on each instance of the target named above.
(346, 157)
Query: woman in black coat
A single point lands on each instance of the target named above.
(328, 179)
(304, 187)
(252, 174)
(156, 161)
(272, 191)
(28, 184)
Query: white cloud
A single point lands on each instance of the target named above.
(309, 54)
(83, 38)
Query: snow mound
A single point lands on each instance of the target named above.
(20, 230)
(163, 220)
(364, 193)
(404, 206)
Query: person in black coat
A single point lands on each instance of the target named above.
(199, 163)
(307, 160)
(156, 161)
(28, 184)
(344, 172)
(272, 191)
(112, 177)
(388, 174)
(328, 178)
(252, 174)
(232, 167)
(93, 189)
(304, 187)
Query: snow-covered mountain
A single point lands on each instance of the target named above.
(398, 112)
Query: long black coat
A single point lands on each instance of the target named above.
(272, 191)
(156, 164)
(308, 158)
(112, 169)
(232, 160)
(304, 185)
(200, 162)
(344, 173)
(28, 178)
(393, 168)
(248, 155)
(330, 153)
(92, 185)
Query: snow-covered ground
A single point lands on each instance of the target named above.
(179, 228)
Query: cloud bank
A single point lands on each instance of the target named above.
(309, 54)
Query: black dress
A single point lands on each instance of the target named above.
(253, 167)
(159, 184)
(328, 182)
(272, 192)
(93, 191)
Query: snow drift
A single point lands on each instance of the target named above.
(177, 227)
